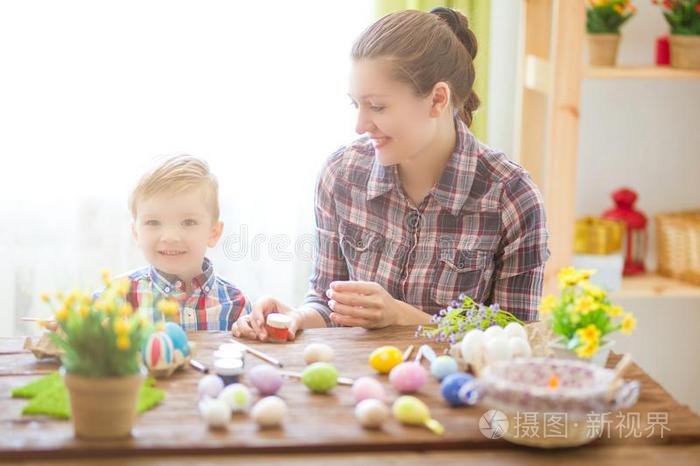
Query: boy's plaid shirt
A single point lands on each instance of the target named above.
(481, 230)
(214, 304)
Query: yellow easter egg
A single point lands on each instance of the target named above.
(384, 358)
(410, 410)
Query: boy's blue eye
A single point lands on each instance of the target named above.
(152, 223)
(189, 222)
(376, 108)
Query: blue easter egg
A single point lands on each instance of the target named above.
(442, 366)
(158, 350)
(178, 336)
(450, 386)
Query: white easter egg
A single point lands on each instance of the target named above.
(497, 349)
(236, 396)
(519, 347)
(269, 411)
(210, 386)
(472, 344)
(215, 412)
(493, 332)
(318, 352)
(371, 413)
(514, 329)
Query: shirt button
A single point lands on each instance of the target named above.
(167, 289)
(178, 284)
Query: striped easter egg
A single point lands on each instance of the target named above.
(158, 351)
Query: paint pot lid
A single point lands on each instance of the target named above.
(277, 320)
(228, 366)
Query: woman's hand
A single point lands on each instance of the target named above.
(362, 304)
(253, 325)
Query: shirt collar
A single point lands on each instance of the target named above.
(453, 188)
(168, 283)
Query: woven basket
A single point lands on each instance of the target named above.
(678, 245)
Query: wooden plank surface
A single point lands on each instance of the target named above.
(315, 423)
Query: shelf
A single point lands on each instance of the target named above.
(639, 72)
(651, 285)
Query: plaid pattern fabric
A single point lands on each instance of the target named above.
(481, 230)
(214, 304)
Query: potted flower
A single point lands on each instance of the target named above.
(101, 338)
(582, 318)
(603, 21)
(684, 18)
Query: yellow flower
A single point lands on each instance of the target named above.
(103, 306)
(628, 324)
(615, 311)
(123, 286)
(585, 304)
(85, 299)
(84, 310)
(589, 334)
(587, 350)
(45, 297)
(121, 327)
(126, 310)
(569, 276)
(619, 8)
(593, 290)
(62, 313)
(160, 326)
(123, 342)
(168, 307)
(105, 277)
(59, 296)
(548, 304)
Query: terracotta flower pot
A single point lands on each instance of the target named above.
(602, 49)
(685, 52)
(103, 407)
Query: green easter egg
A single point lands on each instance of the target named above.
(410, 410)
(320, 377)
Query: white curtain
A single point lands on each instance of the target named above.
(91, 91)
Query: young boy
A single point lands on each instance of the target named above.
(175, 218)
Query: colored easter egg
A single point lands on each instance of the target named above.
(158, 350)
(412, 411)
(519, 347)
(366, 388)
(210, 386)
(236, 396)
(450, 386)
(497, 349)
(178, 336)
(318, 352)
(442, 366)
(216, 413)
(266, 379)
(371, 413)
(493, 332)
(408, 377)
(320, 377)
(269, 411)
(385, 358)
(514, 329)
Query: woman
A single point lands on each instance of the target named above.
(417, 211)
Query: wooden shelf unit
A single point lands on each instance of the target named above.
(639, 72)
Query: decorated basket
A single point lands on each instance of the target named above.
(531, 391)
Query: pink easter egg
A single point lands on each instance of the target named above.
(408, 377)
(366, 388)
(266, 379)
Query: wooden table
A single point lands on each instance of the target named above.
(317, 427)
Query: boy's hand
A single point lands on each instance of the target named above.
(253, 325)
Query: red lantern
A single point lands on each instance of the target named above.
(636, 229)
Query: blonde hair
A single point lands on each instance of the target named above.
(174, 175)
(424, 49)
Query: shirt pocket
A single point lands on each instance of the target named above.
(461, 271)
(362, 250)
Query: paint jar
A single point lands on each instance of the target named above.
(277, 327)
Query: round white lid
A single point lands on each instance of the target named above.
(228, 366)
(277, 320)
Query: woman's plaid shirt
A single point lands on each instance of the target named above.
(481, 230)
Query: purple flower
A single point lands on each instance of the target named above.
(420, 329)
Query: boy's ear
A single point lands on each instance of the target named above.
(440, 99)
(216, 230)
(134, 233)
